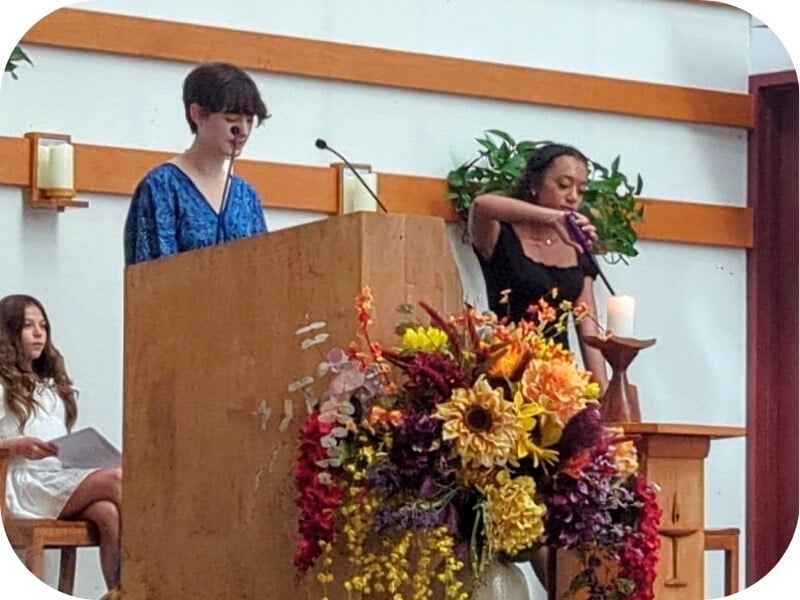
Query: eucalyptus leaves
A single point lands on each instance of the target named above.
(17, 56)
(609, 200)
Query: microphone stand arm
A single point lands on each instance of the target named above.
(361, 179)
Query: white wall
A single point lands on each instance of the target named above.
(691, 298)
(767, 52)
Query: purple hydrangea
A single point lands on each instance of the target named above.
(591, 510)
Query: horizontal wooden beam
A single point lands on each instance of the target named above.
(151, 38)
(693, 223)
(116, 171)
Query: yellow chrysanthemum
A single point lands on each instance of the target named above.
(513, 517)
(482, 424)
(559, 386)
(479, 477)
(427, 339)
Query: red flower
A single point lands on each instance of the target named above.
(639, 555)
(319, 496)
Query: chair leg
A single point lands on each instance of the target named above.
(33, 557)
(726, 540)
(66, 576)
(732, 567)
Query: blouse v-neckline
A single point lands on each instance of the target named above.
(217, 213)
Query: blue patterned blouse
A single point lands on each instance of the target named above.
(168, 214)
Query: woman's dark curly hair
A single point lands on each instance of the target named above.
(19, 375)
(538, 163)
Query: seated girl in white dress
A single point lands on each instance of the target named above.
(37, 403)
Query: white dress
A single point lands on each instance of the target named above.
(39, 489)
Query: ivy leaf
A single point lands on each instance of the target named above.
(503, 136)
(17, 54)
(488, 144)
(457, 177)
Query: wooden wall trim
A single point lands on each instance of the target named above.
(694, 223)
(772, 316)
(151, 38)
(116, 171)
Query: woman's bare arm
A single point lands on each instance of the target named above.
(489, 210)
(592, 358)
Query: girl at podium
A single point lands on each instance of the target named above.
(37, 403)
(193, 200)
(524, 244)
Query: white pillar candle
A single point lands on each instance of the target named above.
(621, 310)
(43, 167)
(61, 167)
(356, 196)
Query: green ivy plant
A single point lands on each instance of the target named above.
(609, 201)
(17, 56)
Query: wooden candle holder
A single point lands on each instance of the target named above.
(53, 198)
(620, 403)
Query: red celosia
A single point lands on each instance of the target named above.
(318, 499)
(639, 555)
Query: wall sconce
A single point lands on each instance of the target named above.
(353, 196)
(52, 179)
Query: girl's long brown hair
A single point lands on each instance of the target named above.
(18, 374)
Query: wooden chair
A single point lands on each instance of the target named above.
(34, 535)
(728, 540)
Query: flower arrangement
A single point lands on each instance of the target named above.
(472, 441)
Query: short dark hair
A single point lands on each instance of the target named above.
(538, 163)
(222, 87)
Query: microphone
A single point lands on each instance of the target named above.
(235, 131)
(579, 236)
(322, 145)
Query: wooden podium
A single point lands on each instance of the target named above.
(210, 348)
(671, 455)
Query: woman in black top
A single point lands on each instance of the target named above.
(524, 245)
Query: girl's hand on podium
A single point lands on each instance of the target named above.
(31, 448)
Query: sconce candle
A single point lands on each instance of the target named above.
(61, 167)
(43, 168)
(356, 197)
(621, 310)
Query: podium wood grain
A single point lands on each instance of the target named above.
(208, 507)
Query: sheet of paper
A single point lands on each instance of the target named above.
(87, 449)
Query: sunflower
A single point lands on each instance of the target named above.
(513, 517)
(482, 425)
